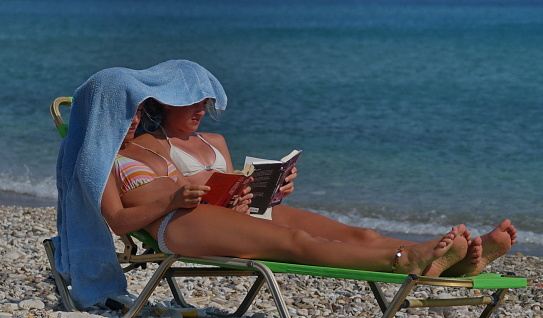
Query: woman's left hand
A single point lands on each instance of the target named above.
(288, 187)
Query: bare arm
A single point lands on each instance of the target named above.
(144, 205)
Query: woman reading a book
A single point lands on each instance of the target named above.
(198, 155)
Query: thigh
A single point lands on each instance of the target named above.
(322, 226)
(211, 230)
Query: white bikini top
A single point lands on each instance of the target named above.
(189, 166)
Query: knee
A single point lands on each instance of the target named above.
(362, 235)
(371, 234)
(299, 243)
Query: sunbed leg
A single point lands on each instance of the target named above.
(402, 293)
(242, 308)
(498, 297)
(250, 297)
(177, 294)
(151, 285)
(274, 287)
(59, 280)
(379, 295)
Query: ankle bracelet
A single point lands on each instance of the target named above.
(397, 258)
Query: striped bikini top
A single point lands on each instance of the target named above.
(132, 173)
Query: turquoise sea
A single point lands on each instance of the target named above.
(413, 115)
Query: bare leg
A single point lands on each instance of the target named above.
(322, 226)
(325, 227)
(210, 230)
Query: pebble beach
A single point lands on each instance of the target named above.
(27, 289)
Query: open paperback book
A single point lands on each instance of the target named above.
(227, 187)
(269, 176)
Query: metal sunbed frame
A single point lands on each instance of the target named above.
(265, 271)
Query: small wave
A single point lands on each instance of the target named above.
(42, 188)
(422, 229)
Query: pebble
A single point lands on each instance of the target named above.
(31, 304)
(27, 289)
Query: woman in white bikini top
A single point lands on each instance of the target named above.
(188, 165)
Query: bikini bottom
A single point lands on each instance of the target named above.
(160, 235)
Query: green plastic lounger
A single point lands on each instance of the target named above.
(133, 258)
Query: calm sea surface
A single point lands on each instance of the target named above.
(413, 115)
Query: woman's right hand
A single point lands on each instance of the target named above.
(244, 200)
(189, 196)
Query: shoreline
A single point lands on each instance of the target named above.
(8, 198)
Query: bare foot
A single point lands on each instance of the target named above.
(455, 254)
(494, 244)
(469, 263)
(417, 257)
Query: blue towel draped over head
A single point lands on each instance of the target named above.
(101, 113)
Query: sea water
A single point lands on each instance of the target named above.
(413, 116)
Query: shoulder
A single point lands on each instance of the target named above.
(147, 137)
(217, 141)
(147, 140)
(213, 138)
(150, 141)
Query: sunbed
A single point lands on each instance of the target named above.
(132, 258)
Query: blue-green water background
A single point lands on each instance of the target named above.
(413, 115)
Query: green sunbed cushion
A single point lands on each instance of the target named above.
(146, 238)
(496, 281)
(482, 281)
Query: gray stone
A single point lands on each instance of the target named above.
(12, 255)
(171, 313)
(31, 304)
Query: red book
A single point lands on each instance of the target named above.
(226, 188)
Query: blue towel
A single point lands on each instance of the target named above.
(101, 113)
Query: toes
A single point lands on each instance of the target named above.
(467, 235)
(505, 225)
(512, 233)
(453, 231)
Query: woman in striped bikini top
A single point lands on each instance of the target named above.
(132, 173)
